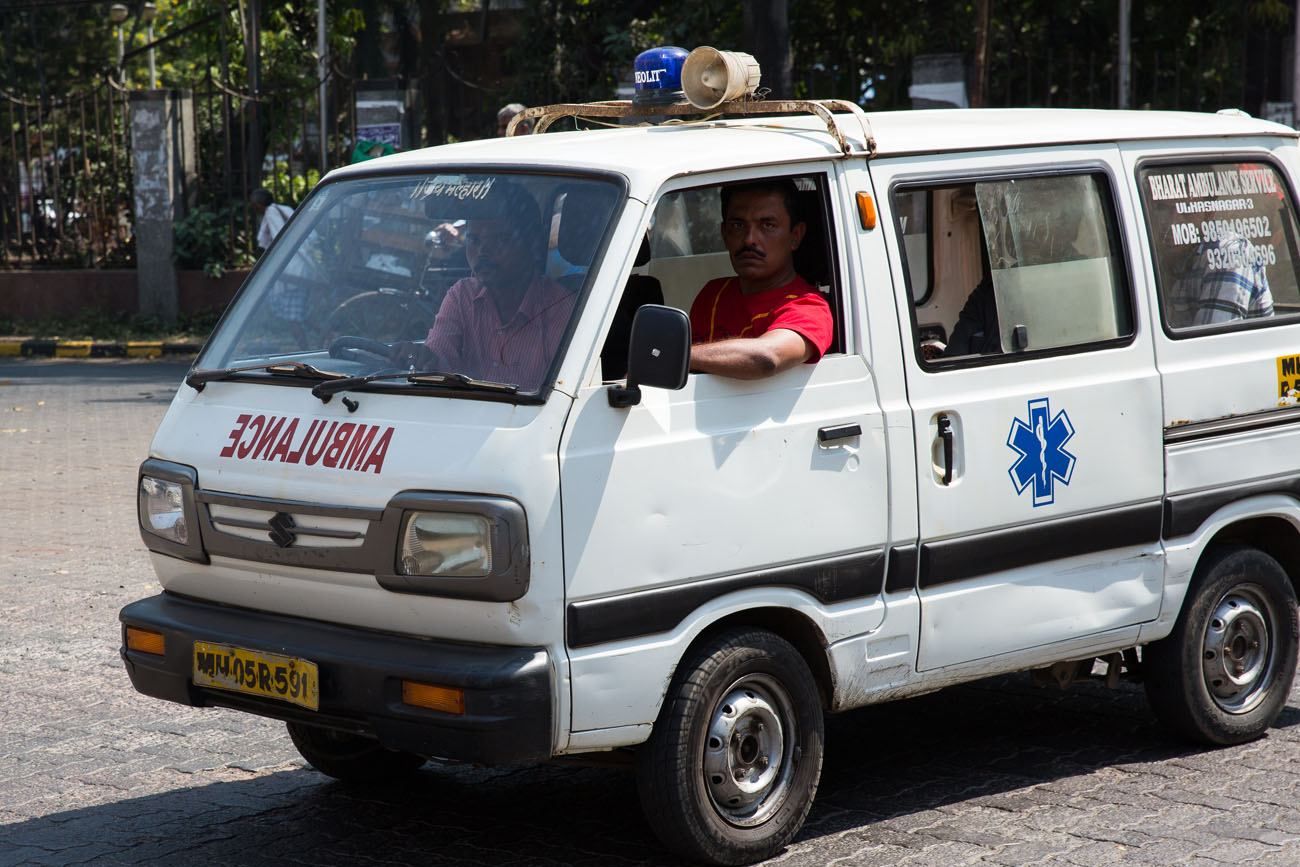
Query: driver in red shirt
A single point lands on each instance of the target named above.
(767, 318)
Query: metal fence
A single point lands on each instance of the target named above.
(66, 192)
(65, 180)
(271, 141)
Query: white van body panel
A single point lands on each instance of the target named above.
(620, 685)
(438, 444)
(742, 456)
(1110, 400)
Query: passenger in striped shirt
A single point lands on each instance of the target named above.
(767, 318)
(1224, 281)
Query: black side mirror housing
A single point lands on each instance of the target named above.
(659, 353)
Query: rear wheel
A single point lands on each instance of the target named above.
(1224, 673)
(731, 768)
(349, 757)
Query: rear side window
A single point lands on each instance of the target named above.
(1020, 266)
(1223, 238)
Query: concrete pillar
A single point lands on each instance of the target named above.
(163, 163)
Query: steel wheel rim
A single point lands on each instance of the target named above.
(749, 750)
(1239, 650)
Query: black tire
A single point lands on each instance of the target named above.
(1223, 675)
(717, 722)
(351, 758)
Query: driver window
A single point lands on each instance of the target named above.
(684, 250)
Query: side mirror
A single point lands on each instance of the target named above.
(659, 353)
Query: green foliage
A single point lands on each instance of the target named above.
(203, 239)
(288, 188)
(213, 239)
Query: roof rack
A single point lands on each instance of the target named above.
(545, 115)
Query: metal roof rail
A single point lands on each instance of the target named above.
(545, 115)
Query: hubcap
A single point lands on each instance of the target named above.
(748, 751)
(1237, 654)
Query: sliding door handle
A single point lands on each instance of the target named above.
(945, 435)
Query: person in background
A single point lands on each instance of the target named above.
(272, 216)
(507, 114)
(1221, 281)
(288, 298)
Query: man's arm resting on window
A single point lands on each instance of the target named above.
(751, 357)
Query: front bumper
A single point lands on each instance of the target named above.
(508, 717)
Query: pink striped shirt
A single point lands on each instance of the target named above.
(470, 338)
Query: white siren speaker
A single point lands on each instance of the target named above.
(711, 77)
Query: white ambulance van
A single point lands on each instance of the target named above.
(1057, 428)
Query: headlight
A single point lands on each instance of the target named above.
(462, 546)
(162, 509)
(165, 504)
(449, 544)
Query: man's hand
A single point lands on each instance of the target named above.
(751, 357)
(413, 355)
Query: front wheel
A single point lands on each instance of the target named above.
(348, 757)
(731, 768)
(1223, 674)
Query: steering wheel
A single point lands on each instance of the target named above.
(350, 347)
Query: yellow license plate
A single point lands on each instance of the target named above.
(286, 678)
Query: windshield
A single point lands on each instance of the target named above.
(475, 276)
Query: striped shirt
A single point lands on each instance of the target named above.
(1232, 286)
(469, 336)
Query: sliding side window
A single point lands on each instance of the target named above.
(1020, 266)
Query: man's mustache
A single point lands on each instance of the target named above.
(751, 250)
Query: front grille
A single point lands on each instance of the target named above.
(293, 533)
(319, 531)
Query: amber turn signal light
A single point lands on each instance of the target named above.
(866, 210)
(444, 698)
(145, 641)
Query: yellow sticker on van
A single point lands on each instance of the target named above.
(1288, 379)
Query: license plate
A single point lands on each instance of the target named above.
(252, 672)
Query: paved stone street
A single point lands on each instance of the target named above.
(92, 773)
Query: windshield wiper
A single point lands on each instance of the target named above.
(199, 378)
(424, 377)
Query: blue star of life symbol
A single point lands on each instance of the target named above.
(1043, 460)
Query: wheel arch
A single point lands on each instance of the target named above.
(1276, 536)
(791, 625)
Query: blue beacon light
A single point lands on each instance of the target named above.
(657, 76)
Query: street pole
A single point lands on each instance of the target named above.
(153, 70)
(980, 98)
(253, 154)
(148, 12)
(1125, 8)
(117, 13)
(322, 72)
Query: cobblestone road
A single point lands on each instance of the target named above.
(92, 773)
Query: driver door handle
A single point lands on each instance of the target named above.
(838, 432)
